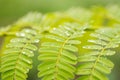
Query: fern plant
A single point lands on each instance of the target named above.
(94, 64)
(58, 55)
(16, 60)
(60, 40)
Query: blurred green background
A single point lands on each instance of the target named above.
(12, 10)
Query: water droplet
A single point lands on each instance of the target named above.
(36, 41)
(54, 28)
(27, 70)
(20, 34)
(27, 30)
(23, 52)
(29, 62)
(67, 33)
(48, 68)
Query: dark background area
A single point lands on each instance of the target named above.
(11, 10)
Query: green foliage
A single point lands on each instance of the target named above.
(16, 59)
(61, 42)
(94, 65)
(58, 56)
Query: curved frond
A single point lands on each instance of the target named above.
(16, 60)
(58, 53)
(31, 19)
(95, 64)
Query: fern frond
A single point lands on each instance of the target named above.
(57, 55)
(95, 65)
(81, 14)
(31, 19)
(16, 60)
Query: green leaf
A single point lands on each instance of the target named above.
(73, 42)
(93, 47)
(56, 38)
(58, 54)
(94, 64)
(100, 42)
(100, 36)
(16, 59)
(103, 68)
(86, 58)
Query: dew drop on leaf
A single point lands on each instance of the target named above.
(20, 34)
(36, 41)
(48, 68)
